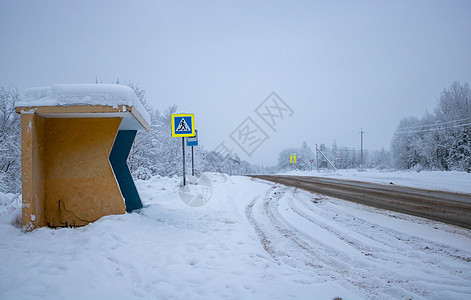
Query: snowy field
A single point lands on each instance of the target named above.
(253, 240)
(453, 181)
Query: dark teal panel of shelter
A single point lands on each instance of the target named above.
(118, 156)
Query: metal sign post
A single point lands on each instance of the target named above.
(183, 150)
(183, 125)
(192, 141)
(192, 163)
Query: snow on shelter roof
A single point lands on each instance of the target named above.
(63, 95)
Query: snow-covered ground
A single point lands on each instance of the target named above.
(252, 240)
(453, 181)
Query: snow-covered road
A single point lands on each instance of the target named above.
(374, 253)
(253, 240)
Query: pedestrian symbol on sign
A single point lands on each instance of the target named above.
(183, 126)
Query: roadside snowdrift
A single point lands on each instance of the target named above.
(253, 240)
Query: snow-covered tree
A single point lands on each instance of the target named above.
(440, 140)
(284, 159)
(403, 144)
(10, 152)
(303, 156)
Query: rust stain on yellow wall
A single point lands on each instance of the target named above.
(67, 177)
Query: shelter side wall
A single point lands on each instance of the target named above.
(118, 159)
(32, 176)
(79, 182)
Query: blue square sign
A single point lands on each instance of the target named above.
(183, 125)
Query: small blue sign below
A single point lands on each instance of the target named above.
(192, 140)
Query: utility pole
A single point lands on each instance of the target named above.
(361, 153)
(317, 158)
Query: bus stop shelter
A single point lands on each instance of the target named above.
(75, 140)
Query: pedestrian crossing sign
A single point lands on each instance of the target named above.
(183, 125)
(292, 159)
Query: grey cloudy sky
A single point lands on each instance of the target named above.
(340, 65)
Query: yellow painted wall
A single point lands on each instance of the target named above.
(67, 177)
(32, 175)
(79, 182)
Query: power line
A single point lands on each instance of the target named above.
(435, 124)
(346, 137)
(434, 129)
(418, 126)
(424, 130)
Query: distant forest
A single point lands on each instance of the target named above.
(438, 141)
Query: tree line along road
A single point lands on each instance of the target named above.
(448, 207)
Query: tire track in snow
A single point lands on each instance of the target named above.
(397, 248)
(287, 245)
(263, 238)
(358, 269)
(276, 245)
(451, 208)
(382, 234)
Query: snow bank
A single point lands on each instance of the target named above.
(9, 202)
(452, 181)
(10, 209)
(83, 94)
(166, 251)
(253, 240)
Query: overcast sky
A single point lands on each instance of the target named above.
(338, 65)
